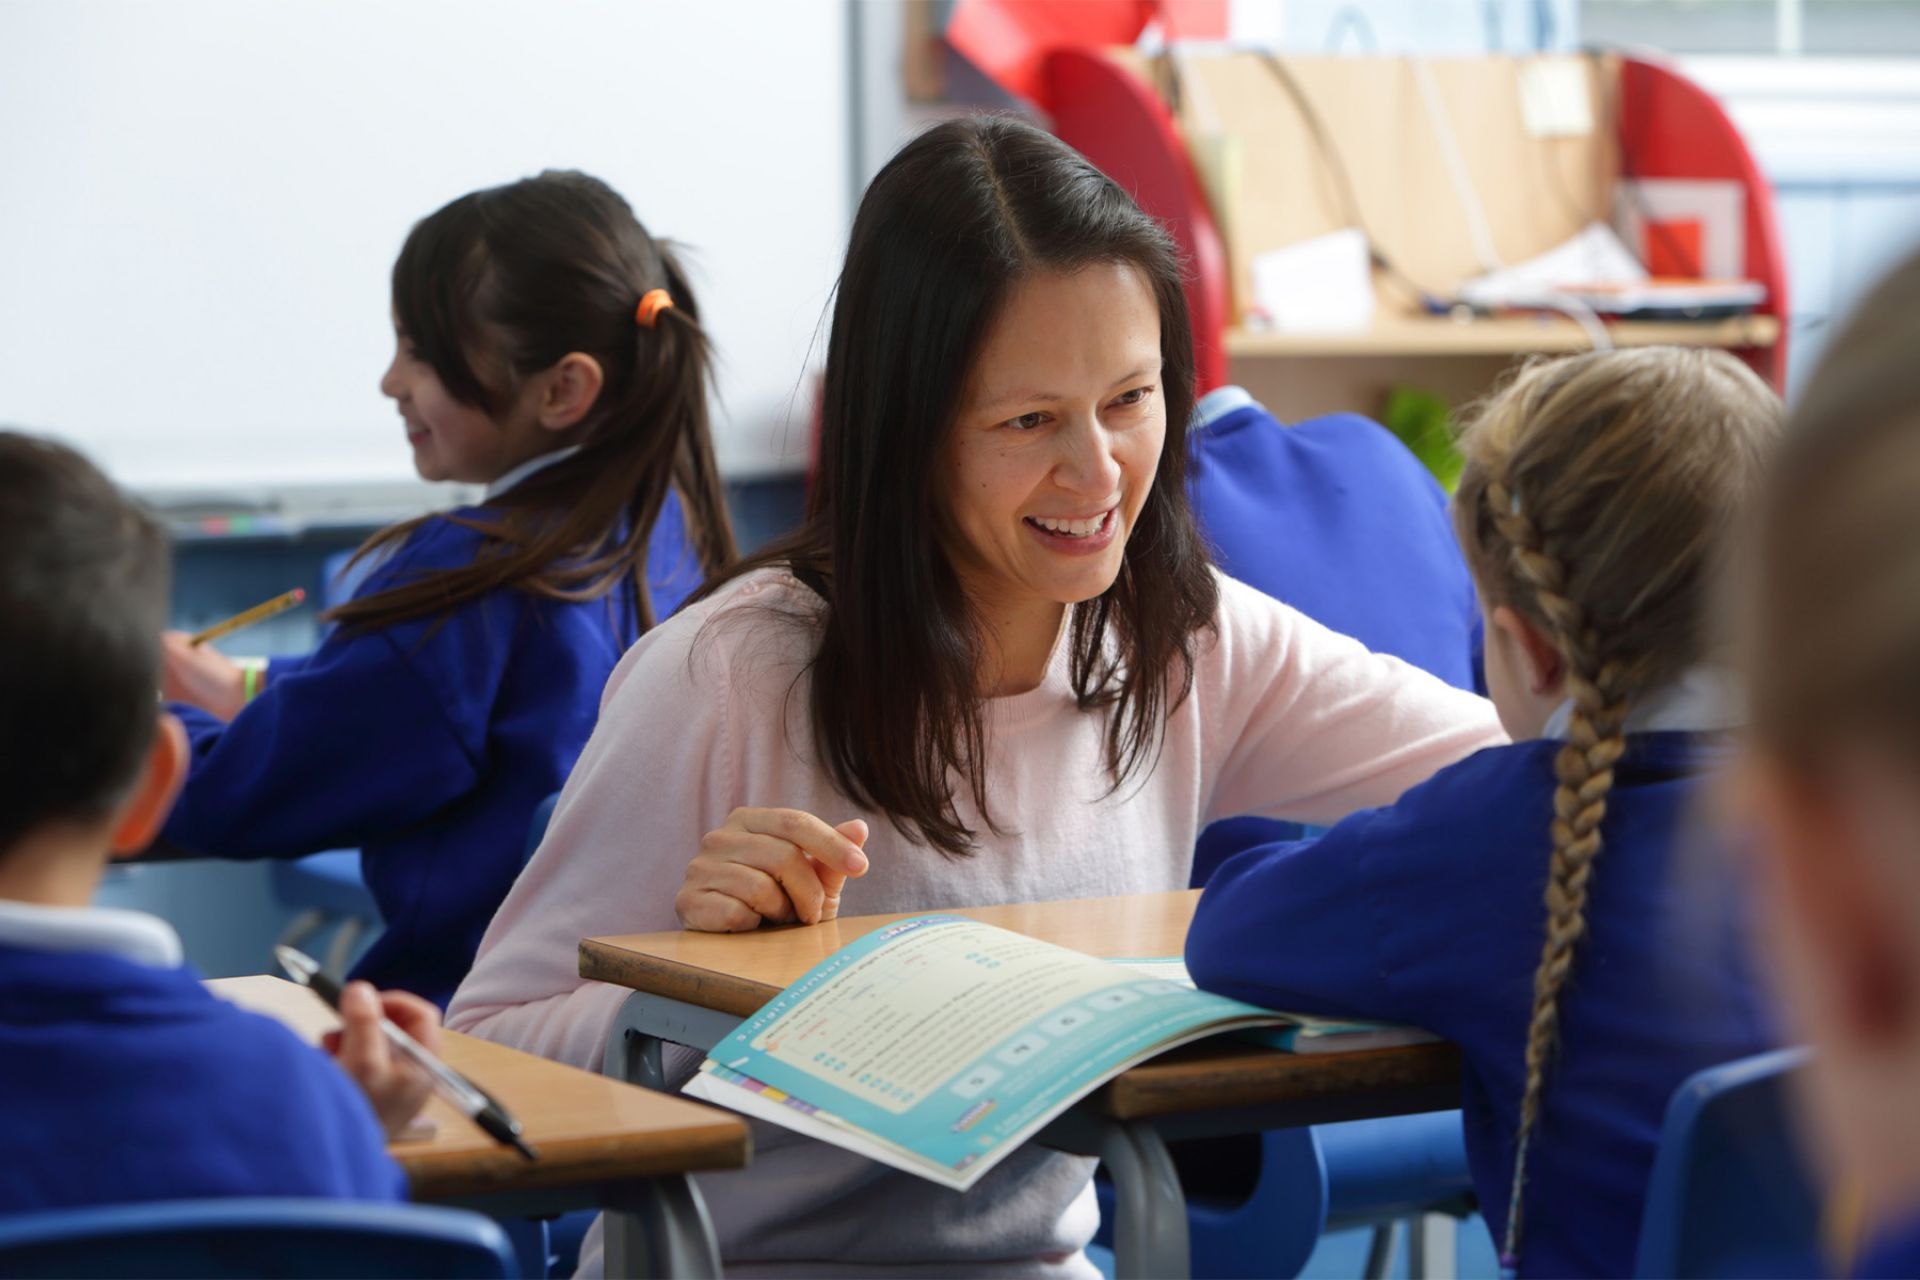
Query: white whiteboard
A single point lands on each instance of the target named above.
(201, 200)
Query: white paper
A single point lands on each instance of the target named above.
(1322, 285)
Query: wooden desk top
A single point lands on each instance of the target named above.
(587, 1128)
(1501, 335)
(737, 973)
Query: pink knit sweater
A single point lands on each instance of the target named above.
(708, 712)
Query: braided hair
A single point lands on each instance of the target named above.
(1591, 504)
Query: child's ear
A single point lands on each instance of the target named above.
(1546, 670)
(572, 386)
(141, 814)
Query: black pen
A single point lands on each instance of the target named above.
(467, 1097)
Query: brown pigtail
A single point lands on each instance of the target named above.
(1596, 738)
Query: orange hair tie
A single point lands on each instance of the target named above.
(652, 303)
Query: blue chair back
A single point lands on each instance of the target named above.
(256, 1237)
(1730, 1195)
(537, 829)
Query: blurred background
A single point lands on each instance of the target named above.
(1385, 203)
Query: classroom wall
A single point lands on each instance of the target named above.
(204, 197)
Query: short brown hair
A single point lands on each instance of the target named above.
(83, 596)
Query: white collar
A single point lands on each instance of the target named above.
(528, 467)
(1705, 699)
(130, 935)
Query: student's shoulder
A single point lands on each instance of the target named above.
(1473, 805)
(443, 540)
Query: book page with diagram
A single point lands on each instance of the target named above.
(945, 1042)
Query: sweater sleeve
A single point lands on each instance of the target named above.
(376, 730)
(1309, 725)
(346, 748)
(1298, 926)
(661, 769)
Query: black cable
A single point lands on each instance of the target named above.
(1330, 154)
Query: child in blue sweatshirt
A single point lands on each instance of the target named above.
(1595, 492)
(123, 1078)
(1833, 643)
(549, 348)
(1337, 518)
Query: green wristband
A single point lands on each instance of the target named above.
(252, 677)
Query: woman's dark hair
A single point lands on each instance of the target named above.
(498, 286)
(83, 594)
(947, 230)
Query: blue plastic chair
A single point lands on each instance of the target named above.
(255, 1237)
(1331, 1177)
(537, 829)
(1730, 1194)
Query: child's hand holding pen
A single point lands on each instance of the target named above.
(200, 676)
(396, 1087)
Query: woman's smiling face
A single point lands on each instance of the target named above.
(1057, 440)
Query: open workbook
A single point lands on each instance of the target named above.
(938, 1044)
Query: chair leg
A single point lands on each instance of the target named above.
(340, 950)
(1386, 1238)
(1430, 1247)
(302, 927)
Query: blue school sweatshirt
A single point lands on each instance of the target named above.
(124, 1082)
(426, 744)
(1336, 517)
(1430, 911)
(1892, 1255)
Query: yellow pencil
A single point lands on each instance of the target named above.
(259, 613)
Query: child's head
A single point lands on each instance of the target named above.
(83, 596)
(1831, 635)
(527, 320)
(1591, 510)
(515, 314)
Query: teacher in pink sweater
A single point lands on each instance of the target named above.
(995, 665)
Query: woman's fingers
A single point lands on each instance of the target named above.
(813, 836)
(769, 865)
(832, 881)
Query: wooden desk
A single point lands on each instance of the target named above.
(602, 1144)
(694, 988)
(1392, 335)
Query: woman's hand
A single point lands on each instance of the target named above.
(770, 865)
(396, 1087)
(200, 676)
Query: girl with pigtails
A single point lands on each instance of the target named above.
(1591, 511)
(548, 348)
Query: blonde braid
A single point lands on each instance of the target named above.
(1584, 769)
